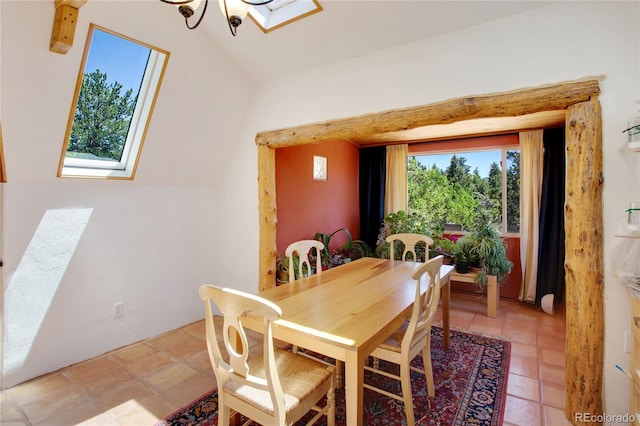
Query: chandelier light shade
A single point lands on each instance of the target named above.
(233, 10)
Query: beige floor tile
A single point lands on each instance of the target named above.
(179, 344)
(521, 412)
(133, 390)
(553, 395)
(552, 374)
(527, 325)
(524, 351)
(108, 380)
(527, 367)
(149, 364)
(39, 387)
(171, 375)
(136, 352)
(521, 335)
(85, 371)
(52, 405)
(551, 338)
(552, 356)
(189, 390)
(555, 417)
(523, 387)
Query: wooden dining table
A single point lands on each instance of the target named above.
(345, 312)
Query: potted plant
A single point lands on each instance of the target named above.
(351, 250)
(398, 223)
(485, 249)
(462, 255)
(445, 246)
(282, 268)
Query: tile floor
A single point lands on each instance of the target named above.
(144, 382)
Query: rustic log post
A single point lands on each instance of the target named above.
(584, 269)
(268, 216)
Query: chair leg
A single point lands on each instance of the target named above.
(428, 370)
(331, 413)
(407, 397)
(224, 413)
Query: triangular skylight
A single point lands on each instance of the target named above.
(282, 12)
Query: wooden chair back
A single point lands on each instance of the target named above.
(409, 240)
(302, 249)
(425, 305)
(250, 383)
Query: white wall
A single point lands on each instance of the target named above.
(553, 44)
(74, 247)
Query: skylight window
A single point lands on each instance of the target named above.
(115, 94)
(282, 12)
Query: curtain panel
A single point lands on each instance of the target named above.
(531, 172)
(372, 175)
(396, 181)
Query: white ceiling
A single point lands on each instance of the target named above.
(346, 29)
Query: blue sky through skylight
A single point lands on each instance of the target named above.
(482, 160)
(123, 60)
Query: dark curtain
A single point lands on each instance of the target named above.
(373, 169)
(551, 238)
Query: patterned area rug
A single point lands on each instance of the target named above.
(470, 382)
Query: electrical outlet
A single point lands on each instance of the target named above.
(627, 341)
(118, 309)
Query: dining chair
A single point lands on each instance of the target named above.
(409, 241)
(268, 385)
(412, 338)
(301, 249)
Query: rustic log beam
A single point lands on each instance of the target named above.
(64, 25)
(507, 104)
(584, 269)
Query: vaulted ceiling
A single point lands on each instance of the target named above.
(347, 29)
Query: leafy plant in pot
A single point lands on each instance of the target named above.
(398, 223)
(351, 250)
(485, 249)
(282, 268)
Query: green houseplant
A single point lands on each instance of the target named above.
(484, 248)
(351, 250)
(398, 223)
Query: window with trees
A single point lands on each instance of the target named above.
(450, 189)
(115, 94)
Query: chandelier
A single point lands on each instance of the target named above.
(233, 10)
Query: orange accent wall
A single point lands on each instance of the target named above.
(306, 206)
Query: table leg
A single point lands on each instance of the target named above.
(445, 295)
(354, 391)
(493, 296)
(339, 374)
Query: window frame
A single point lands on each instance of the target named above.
(141, 117)
(503, 148)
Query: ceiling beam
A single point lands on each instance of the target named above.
(64, 25)
(553, 97)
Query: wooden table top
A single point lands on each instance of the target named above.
(348, 305)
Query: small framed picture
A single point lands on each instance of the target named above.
(319, 168)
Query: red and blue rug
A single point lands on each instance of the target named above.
(470, 382)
